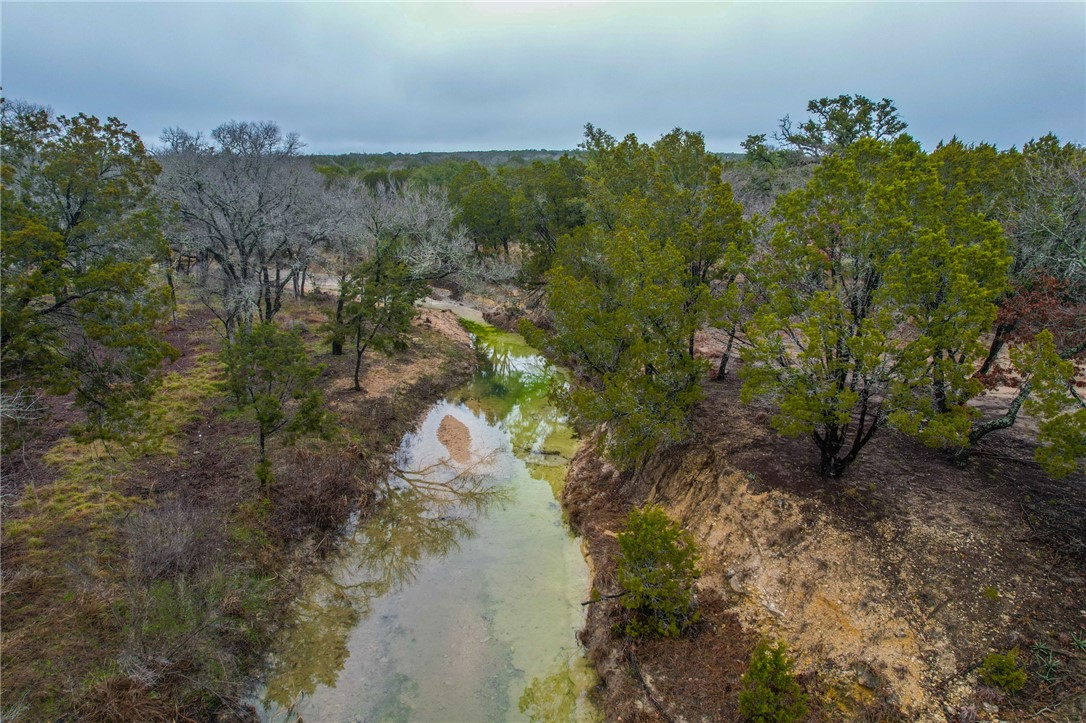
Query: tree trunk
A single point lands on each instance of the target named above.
(358, 349)
(203, 268)
(829, 444)
(265, 295)
(305, 271)
(938, 384)
(173, 292)
(723, 368)
(1001, 331)
(337, 341)
(277, 300)
(1007, 419)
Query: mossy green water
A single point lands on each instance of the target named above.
(460, 599)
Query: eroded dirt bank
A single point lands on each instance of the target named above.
(890, 585)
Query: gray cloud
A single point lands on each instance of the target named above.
(377, 77)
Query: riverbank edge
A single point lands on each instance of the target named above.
(459, 363)
(596, 499)
(196, 488)
(840, 570)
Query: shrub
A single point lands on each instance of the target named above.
(657, 567)
(269, 374)
(315, 490)
(770, 691)
(175, 539)
(1001, 670)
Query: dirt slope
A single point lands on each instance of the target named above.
(890, 585)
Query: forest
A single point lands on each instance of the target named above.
(213, 344)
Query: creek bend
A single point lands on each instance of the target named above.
(459, 599)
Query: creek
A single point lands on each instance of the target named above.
(459, 599)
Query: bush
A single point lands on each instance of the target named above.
(657, 567)
(1001, 670)
(770, 692)
(315, 490)
(175, 539)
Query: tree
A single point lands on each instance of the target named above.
(629, 290)
(686, 204)
(486, 209)
(657, 566)
(759, 153)
(249, 208)
(837, 123)
(400, 224)
(548, 203)
(771, 693)
(380, 301)
(879, 281)
(81, 234)
(269, 374)
(1039, 196)
(621, 318)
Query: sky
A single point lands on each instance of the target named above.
(408, 77)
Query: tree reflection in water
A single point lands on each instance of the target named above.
(423, 513)
(513, 390)
(501, 621)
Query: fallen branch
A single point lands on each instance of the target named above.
(648, 691)
(601, 598)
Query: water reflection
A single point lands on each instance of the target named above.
(514, 389)
(449, 601)
(423, 512)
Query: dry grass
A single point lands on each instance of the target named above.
(141, 577)
(87, 494)
(64, 559)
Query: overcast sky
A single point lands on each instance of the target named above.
(410, 77)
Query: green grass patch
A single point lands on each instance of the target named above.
(87, 492)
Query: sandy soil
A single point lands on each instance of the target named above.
(455, 436)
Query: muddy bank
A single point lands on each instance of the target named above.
(890, 585)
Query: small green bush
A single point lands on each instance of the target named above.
(657, 567)
(1001, 670)
(770, 691)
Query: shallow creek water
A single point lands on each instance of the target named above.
(460, 599)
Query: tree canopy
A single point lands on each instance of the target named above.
(628, 290)
(878, 277)
(837, 123)
(81, 236)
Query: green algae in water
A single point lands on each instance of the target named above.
(460, 599)
(559, 696)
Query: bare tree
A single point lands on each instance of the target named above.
(248, 208)
(416, 227)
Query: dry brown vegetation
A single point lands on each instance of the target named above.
(140, 581)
